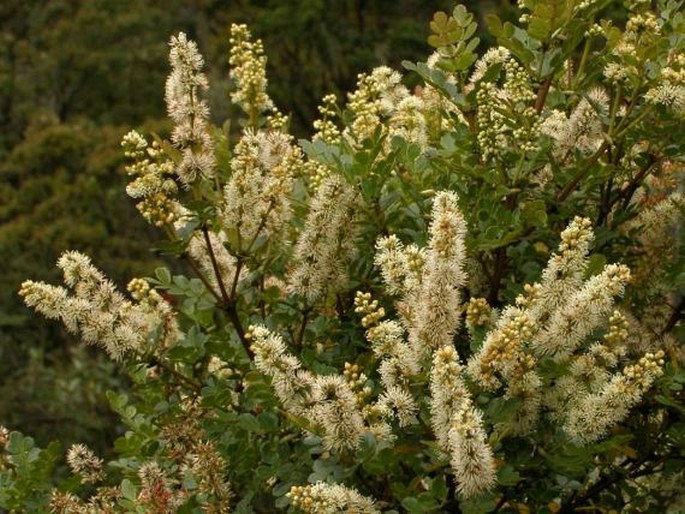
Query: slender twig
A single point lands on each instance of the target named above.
(303, 326)
(228, 302)
(236, 279)
(614, 107)
(571, 186)
(636, 470)
(215, 266)
(628, 192)
(262, 224)
(202, 278)
(498, 274)
(605, 205)
(676, 315)
(622, 128)
(583, 61)
(542, 95)
(197, 386)
(232, 313)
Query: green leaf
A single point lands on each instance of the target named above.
(494, 25)
(500, 409)
(128, 490)
(506, 475)
(479, 505)
(539, 28)
(163, 276)
(596, 264)
(669, 402)
(535, 213)
(268, 421)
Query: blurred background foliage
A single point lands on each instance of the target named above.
(75, 75)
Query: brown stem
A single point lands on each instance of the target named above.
(262, 224)
(197, 386)
(202, 278)
(236, 277)
(303, 326)
(675, 317)
(628, 192)
(636, 470)
(228, 301)
(498, 274)
(571, 186)
(605, 205)
(232, 313)
(542, 95)
(215, 266)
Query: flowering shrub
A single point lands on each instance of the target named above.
(465, 297)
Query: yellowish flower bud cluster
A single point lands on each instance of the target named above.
(646, 22)
(370, 309)
(323, 498)
(502, 351)
(326, 129)
(584, 4)
(357, 382)
(478, 312)
(617, 334)
(506, 119)
(248, 70)
(531, 294)
(376, 97)
(139, 288)
(595, 30)
(277, 121)
(492, 128)
(575, 237)
(153, 182)
(642, 30)
(642, 374)
(158, 209)
(134, 145)
(517, 87)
